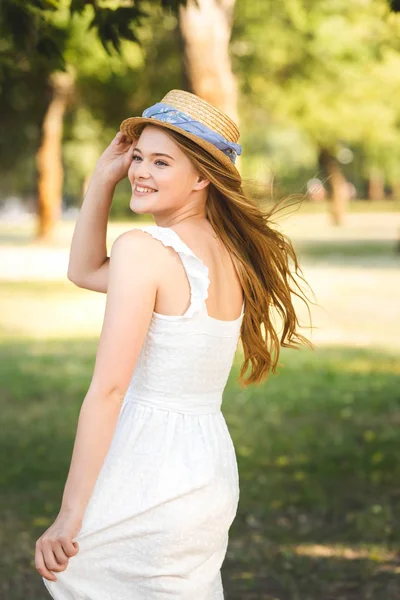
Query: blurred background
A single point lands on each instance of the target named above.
(315, 89)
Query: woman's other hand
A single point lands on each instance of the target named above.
(55, 547)
(116, 159)
(88, 260)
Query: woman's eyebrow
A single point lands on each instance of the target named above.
(156, 154)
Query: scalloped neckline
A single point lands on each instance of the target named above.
(233, 321)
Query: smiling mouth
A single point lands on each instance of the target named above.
(144, 190)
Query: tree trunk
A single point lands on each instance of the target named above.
(337, 185)
(48, 157)
(376, 184)
(206, 27)
(396, 190)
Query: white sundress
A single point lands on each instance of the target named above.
(156, 525)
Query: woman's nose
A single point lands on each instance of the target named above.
(141, 170)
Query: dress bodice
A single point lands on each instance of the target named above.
(186, 359)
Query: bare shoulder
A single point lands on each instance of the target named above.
(137, 243)
(135, 251)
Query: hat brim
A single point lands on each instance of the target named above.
(131, 126)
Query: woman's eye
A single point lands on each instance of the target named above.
(157, 162)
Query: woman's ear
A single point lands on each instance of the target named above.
(201, 182)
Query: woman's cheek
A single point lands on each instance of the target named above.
(131, 174)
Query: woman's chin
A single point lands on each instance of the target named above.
(139, 205)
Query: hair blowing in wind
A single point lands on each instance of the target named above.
(262, 258)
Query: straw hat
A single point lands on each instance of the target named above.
(197, 120)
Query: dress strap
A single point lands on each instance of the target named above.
(196, 270)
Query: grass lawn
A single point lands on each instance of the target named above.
(317, 447)
(317, 444)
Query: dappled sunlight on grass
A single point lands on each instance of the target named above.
(317, 443)
(376, 553)
(317, 451)
(363, 365)
(50, 310)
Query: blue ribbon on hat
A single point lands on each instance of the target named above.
(169, 114)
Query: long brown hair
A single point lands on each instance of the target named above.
(261, 255)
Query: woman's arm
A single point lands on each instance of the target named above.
(88, 260)
(135, 269)
(129, 306)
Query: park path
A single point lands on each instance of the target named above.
(358, 297)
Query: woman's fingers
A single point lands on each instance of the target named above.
(123, 137)
(60, 553)
(70, 548)
(41, 567)
(50, 558)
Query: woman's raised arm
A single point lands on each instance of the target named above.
(88, 260)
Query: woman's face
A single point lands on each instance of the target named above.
(163, 178)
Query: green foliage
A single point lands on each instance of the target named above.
(112, 87)
(108, 88)
(35, 35)
(112, 25)
(311, 74)
(330, 69)
(29, 34)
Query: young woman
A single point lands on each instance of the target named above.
(153, 484)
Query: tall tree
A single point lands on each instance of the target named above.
(36, 34)
(206, 27)
(314, 65)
